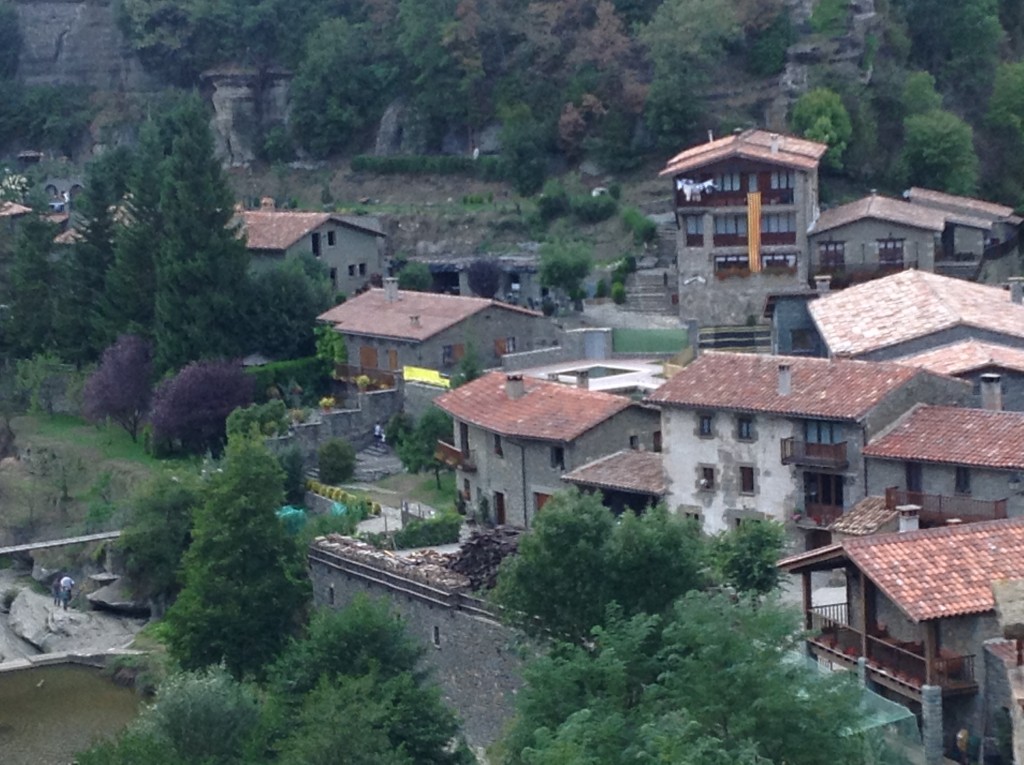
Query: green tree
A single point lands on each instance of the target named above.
(416, 449)
(243, 575)
(938, 151)
(745, 557)
(201, 263)
(10, 40)
(330, 347)
(578, 560)
(415, 275)
(283, 305)
(157, 535)
(336, 459)
(919, 94)
(525, 142)
(564, 266)
(820, 115)
(711, 682)
(33, 290)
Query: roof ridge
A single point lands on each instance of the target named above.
(935, 532)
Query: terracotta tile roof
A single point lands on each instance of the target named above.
(816, 557)
(751, 144)
(837, 389)
(946, 571)
(547, 411)
(13, 210)
(413, 316)
(907, 305)
(967, 356)
(967, 205)
(866, 517)
(280, 229)
(874, 207)
(628, 470)
(954, 436)
(69, 237)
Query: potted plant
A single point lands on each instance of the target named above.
(363, 382)
(327, 403)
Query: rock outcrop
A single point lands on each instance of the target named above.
(247, 104)
(36, 620)
(116, 598)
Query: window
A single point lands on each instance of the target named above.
(558, 457)
(694, 225)
(778, 260)
(657, 441)
(497, 446)
(735, 225)
(452, 353)
(725, 264)
(801, 341)
(962, 482)
(778, 223)
(912, 474)
(707, 479)
(330, 238)
(745, 429)
(437, 636)
(832, 254)
(510, 345)
(634, 442)
(890, 252)
(823, 489)
(362, 269)
(334, 277)
(706, 429)
(822, 432)
(728, 182)
(330, 595)
(467, 492)
(315, 241)
(783, 179)
(746, 480)
(752, 182)
(693, 516)
(352, 270)
(464, 439)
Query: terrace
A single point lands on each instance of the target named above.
(938, 510)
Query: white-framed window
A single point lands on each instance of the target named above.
(783, 179)
(731, 262)
(731, 224)
(694, 225)
(778, 223)
(778, 260)
(728, 182)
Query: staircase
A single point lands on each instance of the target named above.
(651, 290)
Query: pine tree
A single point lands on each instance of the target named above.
(33, 290)
(201, 263)
(244, 582)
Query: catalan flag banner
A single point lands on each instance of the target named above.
(754, 230)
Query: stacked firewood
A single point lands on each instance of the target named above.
(482, 554)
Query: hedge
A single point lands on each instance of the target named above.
(310, 374)
(346, 498)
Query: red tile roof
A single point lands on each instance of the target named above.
(866, 517)
(280, 229)
(547, 411)
(946, 571)
(955, 436)
(751, 144)
(908, 305)
(967, 356)
(628, 470)
(953, 203)
(837, 389)
(13, 210)
(876, 207)
(413, 316)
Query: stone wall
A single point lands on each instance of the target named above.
(476, 660)
(246, 105)
(419, 398)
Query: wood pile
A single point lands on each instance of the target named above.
(427, 567)
(482, 554)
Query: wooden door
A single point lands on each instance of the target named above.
(392, 360)
(367, 357)
(539, 500)
(499, 508)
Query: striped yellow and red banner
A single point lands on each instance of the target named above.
(754, 230)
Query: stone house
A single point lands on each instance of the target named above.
(349, 247)
(956, 464)
(627, 480)
(974, 361)
(743, 206)
(515, 438)
(752, 437)
(387, 329)
(919, 607)
(1001, 225)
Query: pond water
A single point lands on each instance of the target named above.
(48, 714)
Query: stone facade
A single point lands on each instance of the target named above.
(528, 471)
(860, 240)
(476, 660)
(984, 484)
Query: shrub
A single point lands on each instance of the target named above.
(269, 419)
(279, 378)
(337, 461)
(294, 467)
(588, 209)
(442, 529)
(619, 293)
(601, 290)
(553, 202)
(644, 229)
(624, 268)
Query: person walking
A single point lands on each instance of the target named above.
(66, 585)
(55, 590)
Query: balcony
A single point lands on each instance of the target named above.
(819, 516)
(712, 199)
(454, 457)
(729, 240)
(844, 275)
(938, 510)
(898, 665)
(832, 456)
(350, 373)
(778, 237)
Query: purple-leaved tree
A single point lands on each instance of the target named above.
(190, 409)
(121, 388)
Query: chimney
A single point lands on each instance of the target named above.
(910, 519)
(823, 283)
(391, 289)
(775, 143)
(711, 136)
(414, 320)
(1017, 289)
(785, 379)
(514, 387)
(991, 392)
(583, 379)
(267, 204)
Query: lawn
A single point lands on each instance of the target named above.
(105, 442)
(418, 488)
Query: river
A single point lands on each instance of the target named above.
(48, 714)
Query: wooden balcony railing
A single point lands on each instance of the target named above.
(450, 455)
(796, 452)
(937, 510)
(821, 515)
(898, 665)
(778, 237)
(379, 378)
(729, 240)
